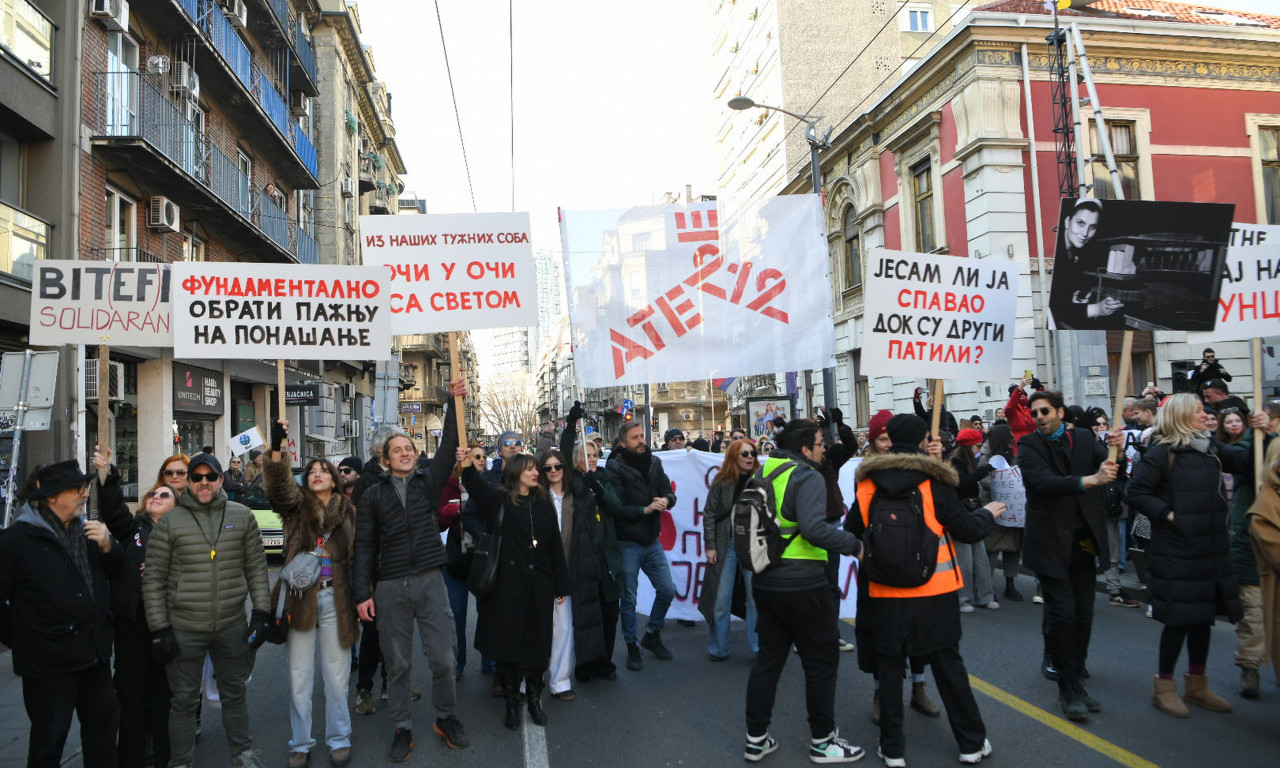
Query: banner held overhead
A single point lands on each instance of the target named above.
(101, 302)
(1249, 303)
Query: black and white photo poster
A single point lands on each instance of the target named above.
(1138, 264)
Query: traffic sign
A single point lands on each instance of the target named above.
(628, 404)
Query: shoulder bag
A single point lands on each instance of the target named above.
(483, 577)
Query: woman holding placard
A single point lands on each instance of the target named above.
(1004, 483)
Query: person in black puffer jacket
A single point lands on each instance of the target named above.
(645, 494)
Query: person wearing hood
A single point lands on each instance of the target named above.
(55, 614)
(921, 622)
(204, 560)
(793, 599)
(645, 495)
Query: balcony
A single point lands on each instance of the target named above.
(380, 201)
(240, 85)
(368, 174)
(26, 35)
(272, 22)
(133, 121)
(429, 344)
(23, 239)
(134, 255)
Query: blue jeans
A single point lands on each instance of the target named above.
(335, 670)
(457, 589)
(653, 561)
(718, 634)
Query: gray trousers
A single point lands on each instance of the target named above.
(1112, 574)
(400, 603)
(231, 667)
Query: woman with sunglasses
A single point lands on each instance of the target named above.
(142, 686)
(719, 584)
(316, 515)
(233, 480)
(173, 471)
(514, 622)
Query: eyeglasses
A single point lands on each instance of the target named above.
(512, 442)
(549, 468)
(748, 454)
(159, 495)
(175, 473)
(1042, 411)
(201, 477)
(347, 471)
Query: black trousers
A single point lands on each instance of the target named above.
(1068, 606)
(806, 619)
(952, 680)
(50, 701)
(609, 613)
(142, 688)
(370, 656)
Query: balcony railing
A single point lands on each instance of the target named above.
(136, 255)
(27, 34)
(274, 222)
(308, 251)
(23, 239)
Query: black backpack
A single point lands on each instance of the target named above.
(757, 540)
(898, 547)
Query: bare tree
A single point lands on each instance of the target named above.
(509, 401)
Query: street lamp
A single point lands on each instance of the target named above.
(815, 145)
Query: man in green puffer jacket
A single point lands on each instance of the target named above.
(203, 559)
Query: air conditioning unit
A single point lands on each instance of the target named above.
(298, 104)
(346, 391)
(353, 428)
(158, 65)
(348, 187)
(164, 214)
(237, 13)
(113, 14)
(185, 82)
(115, 387)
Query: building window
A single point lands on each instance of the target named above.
(1269, 140)
(244, 185)
(852, 251)
(916, 18)
(192, 248)
(922, 193)
(1124, 147)
(120, 219)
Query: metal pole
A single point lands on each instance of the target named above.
(21, 410)
(828, 374)
(648, 417)
(1104, 141)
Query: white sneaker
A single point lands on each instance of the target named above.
(966, 608)
(758, 748)
(973, 758)
(834, 749)
(892, 762)
(992, 606)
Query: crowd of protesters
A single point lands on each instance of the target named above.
(398, 540)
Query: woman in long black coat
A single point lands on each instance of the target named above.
(1178, 485)
(515, 621)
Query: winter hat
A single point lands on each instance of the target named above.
(351, 461)
(969, 437)
(907, 429)
(56, 478)
(879, 423)
(509, 435)
(701, 444)
(672, 434)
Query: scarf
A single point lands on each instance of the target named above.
(640, 462)
(1057, 435)
(1199, 444)
(71, 536)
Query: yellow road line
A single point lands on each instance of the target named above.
(1120, 755)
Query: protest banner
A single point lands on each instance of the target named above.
(1249, 302)
(454, 271)
(1138, 265)
(662, 293)
(256, 311)
(691, 473)
(1006, 486)
(101, 302)
(940, 317)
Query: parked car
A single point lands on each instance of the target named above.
(270, 526)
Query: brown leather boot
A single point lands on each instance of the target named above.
(1198, 693)
(921, 702)
(1166, 699)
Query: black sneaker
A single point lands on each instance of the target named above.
(1047, 669)
(652, 641)
(758, 748)
(1122, 600)
(401, 746)
(1073, 707)
(1012, 595)
(449, 729)
(634, 662)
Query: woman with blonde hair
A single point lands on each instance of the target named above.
(718, 585)
(1178, 486)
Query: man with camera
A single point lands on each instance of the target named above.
(1209, 369)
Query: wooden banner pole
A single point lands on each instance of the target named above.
(1259, 435)
(279, 403)
(936, 421)
(104, 395)
(1122, 386)
(455, 366)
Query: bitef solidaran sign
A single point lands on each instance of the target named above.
(455, 271)
(101, 302)
(257, 311)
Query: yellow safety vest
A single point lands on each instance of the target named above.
(946, 576)
(799, 548)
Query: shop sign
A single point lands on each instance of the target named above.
(302, 394)
(197, 390)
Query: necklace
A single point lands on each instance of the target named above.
(531, 532)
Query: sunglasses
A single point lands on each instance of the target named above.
(347, 471)
(549, 468)
(748, 454)
(200, 477)
(1232, 409)
(175, 473)
(1042, 411)
(159, 495)
(512, 442)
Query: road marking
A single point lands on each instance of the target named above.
(1075, 732)
(535, 745)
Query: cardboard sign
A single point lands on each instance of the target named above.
(101, 302)
(1006, 486)
(246, 440)
(264, 311)
(455, 271)
(940, 317)
(1249, 302)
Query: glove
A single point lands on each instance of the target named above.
(278, 434)
(260, 625)
(576, 412)
(837, 416)
(164, 646)
(593, 482)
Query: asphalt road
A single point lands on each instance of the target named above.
(689, 711)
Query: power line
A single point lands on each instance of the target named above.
(511, 94)
(457, 117)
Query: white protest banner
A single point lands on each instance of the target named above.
(940, 317)
(454, 271)
(245, 441)
(1249, 302)
(264, 311)
(1006, 486)
(661, 293)
(101, 302)
(691, 473)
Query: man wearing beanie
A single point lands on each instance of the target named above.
(349, 469)
(921, 622)
(793, 599)
(1064, 469)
